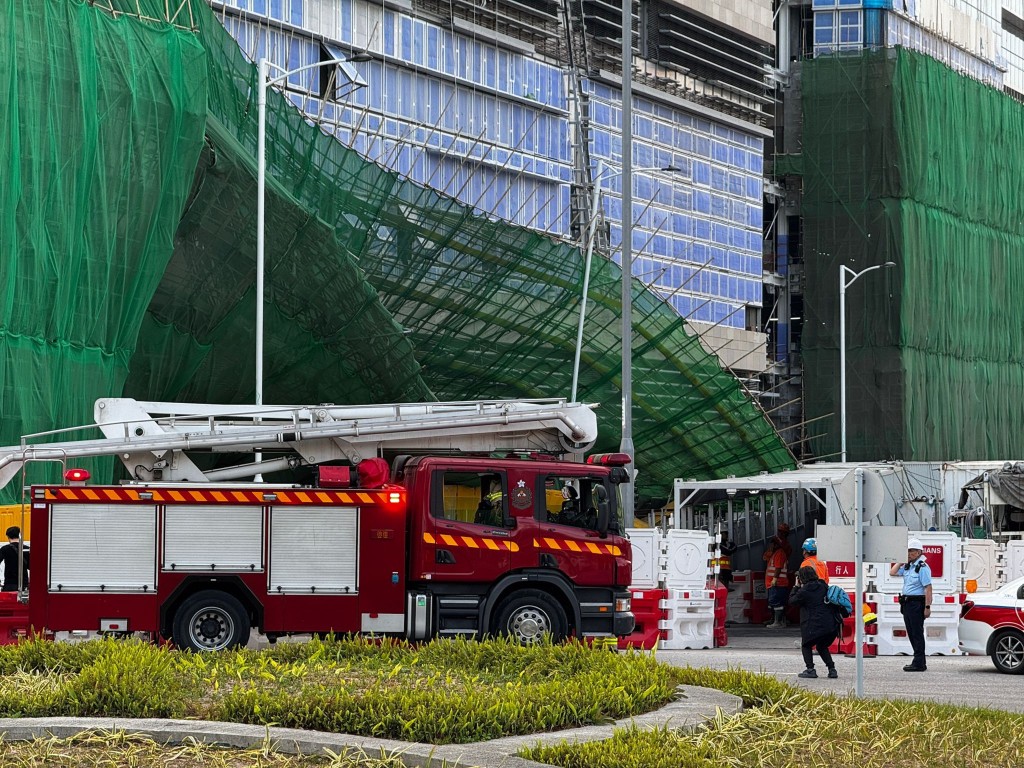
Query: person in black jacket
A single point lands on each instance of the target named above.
(819, 623)
(9, 560)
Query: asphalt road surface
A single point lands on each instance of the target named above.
(964, 680)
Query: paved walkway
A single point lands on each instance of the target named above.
(695, 708)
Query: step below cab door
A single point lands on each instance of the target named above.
(469, 528)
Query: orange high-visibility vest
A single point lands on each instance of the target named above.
(818, 565)
(777, 569)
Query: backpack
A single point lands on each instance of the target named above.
(836, 596)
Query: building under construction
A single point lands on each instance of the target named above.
(430, 253)
(432, 197)
(773, 143)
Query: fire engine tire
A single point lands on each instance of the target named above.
(1008, 652)
(529, 615)
(210, 621)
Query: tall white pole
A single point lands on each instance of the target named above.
(842, 362)
(626, 446)
(592, 231)
(858, 564)
(261, 181)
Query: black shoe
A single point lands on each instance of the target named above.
(833, 674)
(809, 672)
(914, 668)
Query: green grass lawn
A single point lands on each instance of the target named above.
(102, 749)
(787, 727)
(444, 692)
(452, 692)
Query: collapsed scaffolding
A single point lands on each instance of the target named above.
(132, 269)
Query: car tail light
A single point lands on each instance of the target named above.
(966, 607)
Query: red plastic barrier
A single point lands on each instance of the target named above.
(759, 611)
(648, 612)
(721, 638)
(721, 596)
(846, 643)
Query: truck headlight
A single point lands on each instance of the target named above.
(623, 604)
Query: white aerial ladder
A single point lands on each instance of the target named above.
(153, 439)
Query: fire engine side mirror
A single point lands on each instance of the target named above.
(602, 510)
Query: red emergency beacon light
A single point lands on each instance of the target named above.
(76, 476)
(609, 459)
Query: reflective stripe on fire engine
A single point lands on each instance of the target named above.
(208, 496)
(576, 546)
(472, 542)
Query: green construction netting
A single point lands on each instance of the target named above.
(101, 124)
(378, 289)
(907, 161)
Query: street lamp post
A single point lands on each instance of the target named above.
(603, 173)
(843, 285)
(265, 81)
(626, 446)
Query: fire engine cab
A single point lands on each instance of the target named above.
(405, 524)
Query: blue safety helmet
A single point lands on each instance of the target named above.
(811, 546)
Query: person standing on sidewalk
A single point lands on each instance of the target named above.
(10, 554)
(776, 579)
(916, 600)
(819, 624)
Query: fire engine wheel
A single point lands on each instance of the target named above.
(530, 615)
(211, 621)
(1008, 652)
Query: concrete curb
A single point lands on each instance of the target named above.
(699, 705)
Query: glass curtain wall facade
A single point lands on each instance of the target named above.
(488, 119)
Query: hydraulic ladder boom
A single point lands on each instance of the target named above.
(153, 439)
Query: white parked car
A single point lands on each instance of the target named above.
(992, 624)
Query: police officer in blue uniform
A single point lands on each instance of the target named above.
(916, 600)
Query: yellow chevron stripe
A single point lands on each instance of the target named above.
(470, 542)
(91, 495)
(303, 497)
(593, 548)
(220, 496)
(491, 544)
(428, 537)
(365, 498)
(573, 546)
(449, 540)
(552, 543)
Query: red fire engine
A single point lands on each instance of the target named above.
(406, 525)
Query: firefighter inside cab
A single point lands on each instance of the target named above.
(490, 511)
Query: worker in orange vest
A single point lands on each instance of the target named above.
(810, 550)
(776, 579)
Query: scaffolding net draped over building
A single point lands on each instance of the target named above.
(129, 241)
